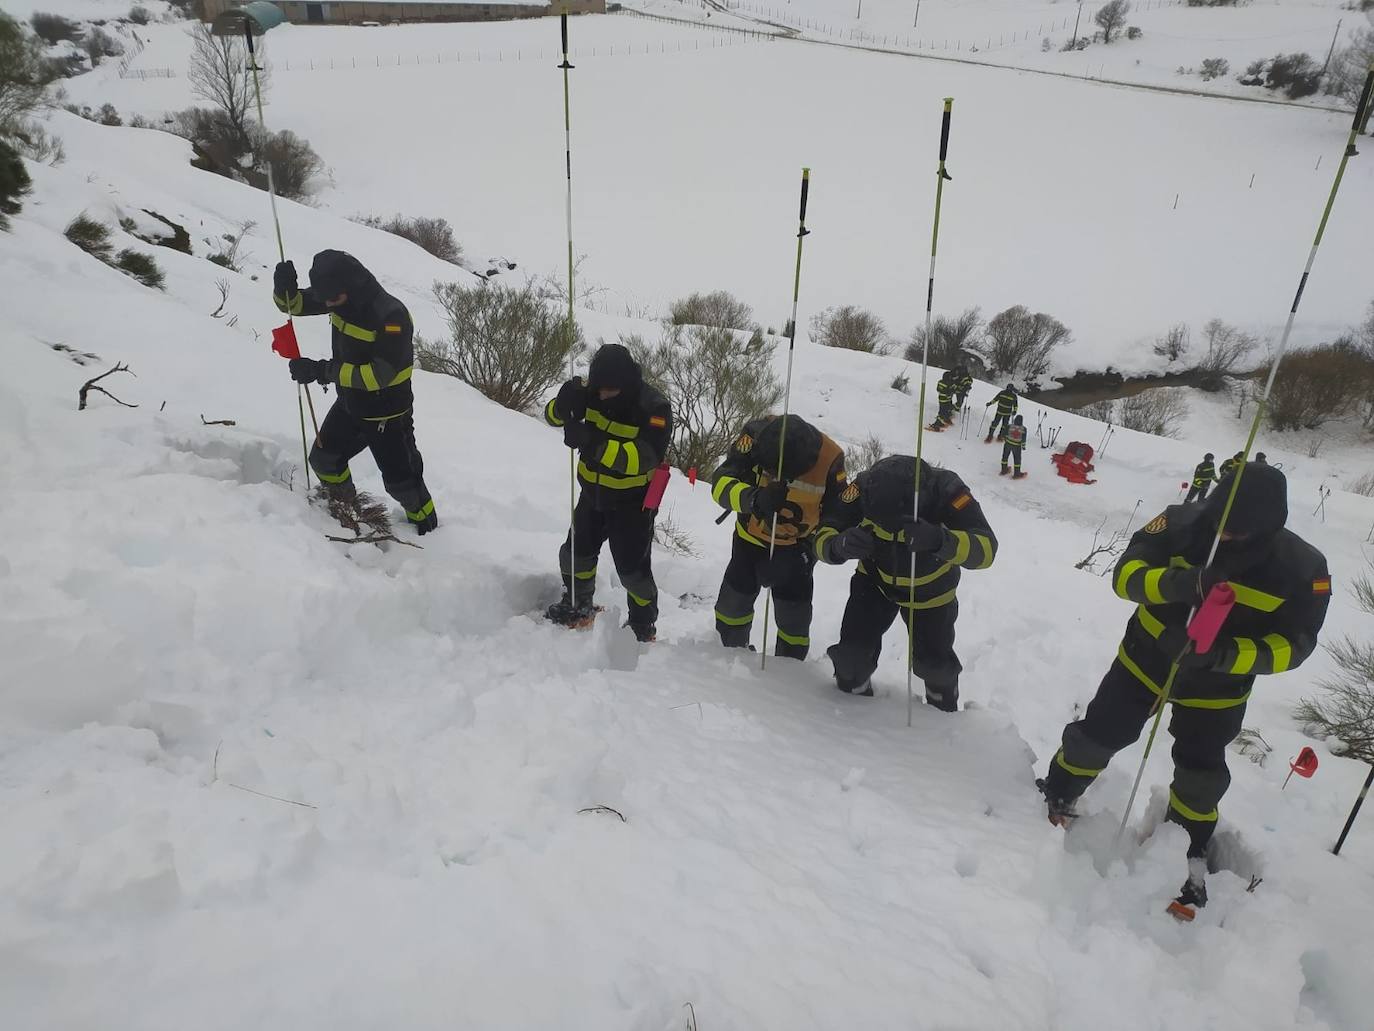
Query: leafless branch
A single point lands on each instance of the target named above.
(91, 385)
(605, 809)
(1111, 547)
(217, 422)
(373, 538)
(222, 285)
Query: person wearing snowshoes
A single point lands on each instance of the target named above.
(963, 383)
(1006, 403)
(1203, 477)
(1014, 443)
(371, 366)
(947, 534)
(620, 427)
(814, 488)
(1282, 588)
(944, 393)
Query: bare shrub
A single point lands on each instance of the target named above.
(226, 254)
(1315, 384)
(717, 308)
(1350, 65)
(142, 267)
(864, 455)
(1362, 485)
(1175, 342)
(1160, 411)
(37, 144)
(1112, 17)
(14, 183)
(1225, 348)
(715, 380)
(296, 169)
(1346, 712)
(672, 536)
(1100, 411)
(902, 382)
(140, 15)
(100, 45)
(1019, 342)
(24, 75)
(503, 340)
(53, 28)
(1298, 75)
(1134, 32)
(219, 74)
(1215, 68)
(434, 235)
(851, 329)
(952, 340)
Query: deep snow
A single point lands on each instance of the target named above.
(177, 630)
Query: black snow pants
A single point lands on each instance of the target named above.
(392, 443)
(1012, 453)
(630, 532)
(789, 573)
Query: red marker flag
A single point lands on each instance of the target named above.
(692, 476)
(284, 341)
(1305, 764)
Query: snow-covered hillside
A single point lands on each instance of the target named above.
(180, 639)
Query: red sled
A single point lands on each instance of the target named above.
(1075, 462)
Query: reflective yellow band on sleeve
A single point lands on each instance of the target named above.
(346, 374)
(721, 486)
(822, 535)
(369, 376)
(631, 458)
(737, 496)
(989, 552)
(1180, 807)
(1254, 599)
(1151, 584)
(1246, 653)
(1077, 771)
(550, 415)
(350, 330)
(962, 546)
(1282, 649)
(616, 429)
(609, 456)
(1123, 578)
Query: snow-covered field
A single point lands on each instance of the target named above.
(179, 636)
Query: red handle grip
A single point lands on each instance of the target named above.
(1210, 616)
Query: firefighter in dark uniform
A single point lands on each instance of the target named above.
(950, 534)
(1282, 588)
(1203, 477)
(1014, 444)
(371, 366)
(944, 393)
(1006, 403)
(963, 383)
(814, 488)
(1228, 465)
(620, 426)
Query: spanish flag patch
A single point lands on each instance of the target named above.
(391, 328)
(961, 502)
(1321, 586)
(658, 422)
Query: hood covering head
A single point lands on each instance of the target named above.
(1020, 420)
(1207, 457)
(613, 367)
(336, 272)
(887, 488)
(803, 446)
(1261, 507)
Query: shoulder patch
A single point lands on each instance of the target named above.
(391, 327)
(745, 444)
(851, 494)
(1322, 586)
(961, 502)
(1158, 524)
(658, 421)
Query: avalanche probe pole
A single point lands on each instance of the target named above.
(1354, 812)
(1168, 687)
(940, 176)
(281, 248)
(802, 233)
(566, 67)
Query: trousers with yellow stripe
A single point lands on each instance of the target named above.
(1201, 729)
(392, 443)
(789, 572)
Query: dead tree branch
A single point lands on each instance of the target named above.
(91, 385)
(217, 422)
(1111, 547)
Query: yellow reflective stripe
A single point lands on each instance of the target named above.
(342, 477)
(1246, 653)
(739, 529)
(350, 330)
(1136, 671)
(878, 531)
(906, 581)
(631, 458)
(293, 307)
(641, 602)
(426, 510)
(719, 487)
(800, 642)
(1127, 571)
(1189, 703)
(822, 535)
(402, 376)
(369, 376)
(608, 457)
(737, 495)
(1282, 649)
(1179, 806)
(586, 574)
(930, 603)
(1077, 771)
(734, 620)
(962, 546)
(988, 553)
(1254, 599)
(346, 374)
(620, 429)
(1151, 584)
(607, 480)
(1153, 626)
(550, 415)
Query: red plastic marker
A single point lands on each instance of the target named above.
(654, 497)
(692, 476)
(284, 341)
(1206, 624)
(1304, 765)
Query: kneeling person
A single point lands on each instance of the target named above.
(949, 533)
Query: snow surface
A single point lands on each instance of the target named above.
(179, 636)
(1063, 194)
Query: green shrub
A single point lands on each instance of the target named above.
(91, 236)
(142, 267)
(14, 183)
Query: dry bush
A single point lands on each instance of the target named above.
(1362, 485)
(1298, 75)
(1215, 68)
(1160, 411)
(24, 75)
(1226, 347)
(670, 535)
(1019, 342)
(718, 308)
(851, 329)
(434, 235)
(219, 73)
(715, 381)
(1346, 711)
(864, 455)
(91, 236)
(1100, 411)
(1350, 65)
(14, 183)
(1315, 384)
(953, 339)
(296, 169)
(100, 45)
(143, 267)
(503, 340)
(1174, 344)
(902, 382)
(53, 28)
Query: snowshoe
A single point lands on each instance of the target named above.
(645, 633)
(574, 617)
(936, 427)
(1060, 811)
(1193, 896)
(1004, 471)
(987, 439)
(1019, 475)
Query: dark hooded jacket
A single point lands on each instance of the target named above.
(372, 337)
(1281, 584)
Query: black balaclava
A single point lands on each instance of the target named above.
(800, 454)
(337, 272)
(1259, 513)
(613, 366)
(1019, 421)
(888, 487)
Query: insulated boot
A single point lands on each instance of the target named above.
(864, 690)
(1018, 475)
(1004, 471)
(565, 613)
(987, 439)
(1193, 896)
(1060, 810)
(645, 633)
(425, 525)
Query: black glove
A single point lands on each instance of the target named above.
(577, 435)
(308, 370)
(1173, 641)
(284, 280)
(855, 543)
(571, 402)
(764, 502)
(1207, 578)
(923, 536)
